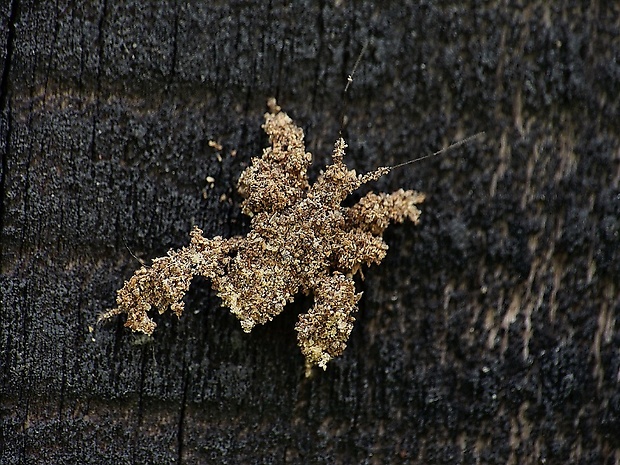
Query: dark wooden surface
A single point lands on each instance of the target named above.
(490, 333)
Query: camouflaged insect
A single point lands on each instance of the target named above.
(301, 239)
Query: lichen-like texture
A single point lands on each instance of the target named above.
(302, 239)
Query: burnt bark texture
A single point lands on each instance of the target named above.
(489, 334)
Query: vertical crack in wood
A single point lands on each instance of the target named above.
(100, 46)
(5, 120)
(181, 425)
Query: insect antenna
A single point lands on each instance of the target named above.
(439, 152)
(345, 101)
(383, 170)
(142, 262)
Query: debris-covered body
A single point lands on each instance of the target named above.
(301, 239)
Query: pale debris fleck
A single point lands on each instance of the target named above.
(216, 145)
